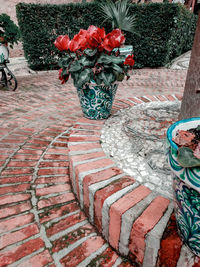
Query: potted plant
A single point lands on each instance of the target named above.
(94, 67)
(9, 32)
(118, 14)
(183, 138)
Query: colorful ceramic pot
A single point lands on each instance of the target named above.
(186, 185)
(125, 50)
(96, 101)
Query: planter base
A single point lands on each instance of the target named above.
(96, 101)
(186, 185)
(187, 211)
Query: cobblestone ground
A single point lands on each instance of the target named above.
(40, 221)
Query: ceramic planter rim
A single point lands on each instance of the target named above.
(174, 125)
(93, 83)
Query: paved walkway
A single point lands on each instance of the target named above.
(41, 223)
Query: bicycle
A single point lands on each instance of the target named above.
(7, 78)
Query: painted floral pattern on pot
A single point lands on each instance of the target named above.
(186, 185)
(187, 210)
(189, 175)
(96, 101)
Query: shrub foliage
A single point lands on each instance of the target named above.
(165, 31)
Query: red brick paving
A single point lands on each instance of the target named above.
(34, 182)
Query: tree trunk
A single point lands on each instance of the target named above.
(190, 106)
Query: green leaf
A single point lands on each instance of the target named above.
(75, 77)
(107, 78)
(104, 59)
(86, 62)
(64, 62)
(64, 72)
(98, 80)
(186, 158)
(90, 52)
(117, 68)
(85, 77)
(75, 66)
(117, 14)
(117, 60)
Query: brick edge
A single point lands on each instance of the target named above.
(125, 212)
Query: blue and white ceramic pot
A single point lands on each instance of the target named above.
(186, 185)
(125, 50)
(96, 100)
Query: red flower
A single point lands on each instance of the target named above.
(95, 36)
(63, 78)
(129, 61)
(62, 42)
(79, 41)
(73, 45)
(113, 40)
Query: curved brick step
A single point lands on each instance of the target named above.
(136, 221)
(41, 223)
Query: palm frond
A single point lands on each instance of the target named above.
(117, 14)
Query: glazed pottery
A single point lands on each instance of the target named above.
(186, 185)
(96, 100)
(125, 50)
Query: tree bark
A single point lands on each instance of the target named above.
(190, 106)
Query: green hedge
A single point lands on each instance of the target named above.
(166, 31)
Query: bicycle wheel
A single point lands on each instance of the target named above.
(3, 80)
(11, 79)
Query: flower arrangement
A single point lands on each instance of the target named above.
(92, 55)
(189, 147)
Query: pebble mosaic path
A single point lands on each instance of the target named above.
(41, 222)
(135, 139)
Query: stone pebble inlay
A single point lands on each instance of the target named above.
(135, 139)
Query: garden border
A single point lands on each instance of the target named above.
(131, 217)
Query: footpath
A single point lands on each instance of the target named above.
(46, 147)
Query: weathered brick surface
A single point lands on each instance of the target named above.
(19, 235)
(170, 245)
(34, 127)
(15, 222)
(20, 251)
(53, 179)
(14, 209)
(52, 189)
(94, 178)
(67, 222)
(14, 198)
(84, 250)
(72, 237)
(107, 258)
(144, 224)
(39, 260)
(58, 211)
(104, 193)
(14, 189)
(119, 207)
(55, 200)
(89, 166)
